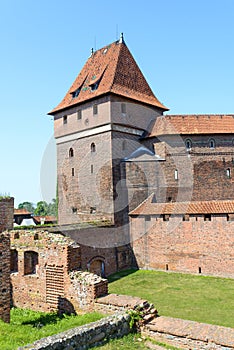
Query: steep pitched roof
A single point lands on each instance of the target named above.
(111, 69)
(193, 124)
(149, 207)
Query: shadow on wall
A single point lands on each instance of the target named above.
(65, 306)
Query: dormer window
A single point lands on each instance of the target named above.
(95, 80)
(76, 93)
(94, 86)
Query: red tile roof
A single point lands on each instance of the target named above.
(193, 124)
(115, 70)
(48, 218)
(148, 207)
(21, 212)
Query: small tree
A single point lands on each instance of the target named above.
(41, 209)
(27, 205)
(52, 207)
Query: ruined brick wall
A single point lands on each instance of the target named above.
(5, 297)
(6, 222)
(42, 266)
(104, 250)
(6, 213)
(194, 246)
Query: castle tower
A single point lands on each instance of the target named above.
(100, 121)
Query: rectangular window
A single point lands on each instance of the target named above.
(79, 114)
(92, 210)
(95, 109)
(230, 217)
(91, 170)
(207, 217)
(123, 108)
(65, 119)
(73, 172)
(186, 217)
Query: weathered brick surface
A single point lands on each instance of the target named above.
(103, 249)
(194, 246)
(6, 213)
(6, 222)
(189, 334)
(5, 297)
(54, 282)
(99, 185)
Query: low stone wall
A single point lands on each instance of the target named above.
(84, 337)
(115, 326)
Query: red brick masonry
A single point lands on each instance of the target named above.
(190, 334)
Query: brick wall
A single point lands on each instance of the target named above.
(6, 213)
(104, 250)
(194, 246)
(85, 180)
(5, 277)
(198, 174)
(6, 222)
(41, 278)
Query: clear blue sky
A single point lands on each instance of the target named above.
(185, 49)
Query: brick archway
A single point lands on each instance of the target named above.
(97, 265)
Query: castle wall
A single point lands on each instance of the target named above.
(197, 174)
(135, 114)
(85, 180)
(194, 246)
(104, 250)
(87, 120)
(6, 222)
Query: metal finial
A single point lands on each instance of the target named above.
(121, 40)
(91, 52)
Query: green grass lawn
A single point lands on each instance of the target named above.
(197, 298)
(27, 326)
(132, 342)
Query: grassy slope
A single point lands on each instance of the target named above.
(198, 298)
(27, 326)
